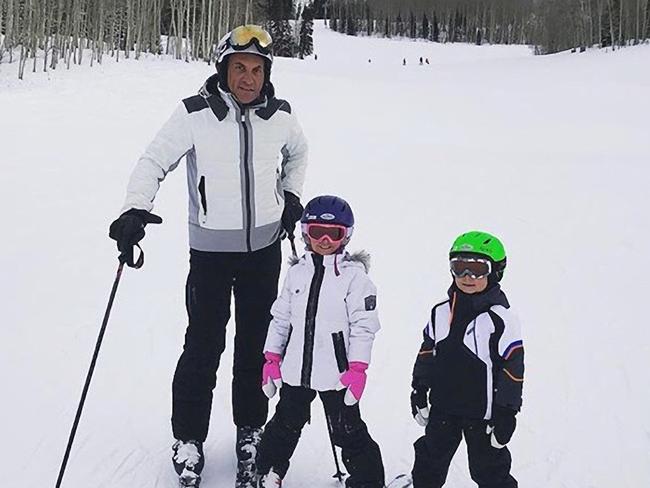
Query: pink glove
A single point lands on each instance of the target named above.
(354, 379)
(271, 375)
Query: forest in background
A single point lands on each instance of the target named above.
(549, 25)
(45, 33)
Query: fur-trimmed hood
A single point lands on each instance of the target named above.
(362, 257)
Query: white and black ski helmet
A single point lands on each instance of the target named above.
(247, 38)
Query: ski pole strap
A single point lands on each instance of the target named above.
(293, 244)
(127, 258)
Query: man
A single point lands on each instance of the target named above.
(246, 160)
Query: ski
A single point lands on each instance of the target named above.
(400, 481)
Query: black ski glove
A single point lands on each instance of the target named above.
(128, 230)
(501, 426)
(292, 212)
(420, 403)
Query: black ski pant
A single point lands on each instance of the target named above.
(489, 467)
(213, 278)
(361, 455)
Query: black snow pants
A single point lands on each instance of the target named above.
(489, 467)
(361, 455)
(214, 276)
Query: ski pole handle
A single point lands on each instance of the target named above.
(126, 257)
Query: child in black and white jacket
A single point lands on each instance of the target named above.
(469, 372)
(319, 342)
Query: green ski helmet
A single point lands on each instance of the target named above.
(481, 244)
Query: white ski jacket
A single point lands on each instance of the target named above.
(325, 317)
(239, 163)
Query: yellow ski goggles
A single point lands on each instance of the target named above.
(245, 36)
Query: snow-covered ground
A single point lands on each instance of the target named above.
(550, 153)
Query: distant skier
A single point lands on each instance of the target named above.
(420, 60)
(246, 163)
(315, 57)
(404, 62)
(470, 371)
(319, 342)
(426, 60)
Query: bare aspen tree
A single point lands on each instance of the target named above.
(2, 36)
(187, 32)
(9, 32)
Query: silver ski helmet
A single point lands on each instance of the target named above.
(248, 38)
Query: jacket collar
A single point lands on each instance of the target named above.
(222, 101)
(479, 302)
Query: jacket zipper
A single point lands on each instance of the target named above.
(247, 182)
(310, 322)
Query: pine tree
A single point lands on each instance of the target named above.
(435, 34)
(279, 12)
(306, 41)
(318, 8)
(400, 25)
(351, 25)
(283, 40)
(413, 31)
(425, 26)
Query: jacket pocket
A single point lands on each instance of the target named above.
(339, 351)
(204, 199)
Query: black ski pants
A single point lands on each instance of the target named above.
(489, 467)
(213, 278)
(361, 455)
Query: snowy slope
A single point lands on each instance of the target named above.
(550, 153)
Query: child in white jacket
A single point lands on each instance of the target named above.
(319, 341)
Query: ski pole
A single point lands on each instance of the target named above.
(293, 244)
(339, 474)
(124, 259)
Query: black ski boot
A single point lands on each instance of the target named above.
(188, 462)
(248, 438)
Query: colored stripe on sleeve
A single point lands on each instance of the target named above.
(512, 348)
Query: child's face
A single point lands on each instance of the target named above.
(324, 247)
(470, 285)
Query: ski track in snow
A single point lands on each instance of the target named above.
(550, 153)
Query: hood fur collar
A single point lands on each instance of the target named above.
(362, 257)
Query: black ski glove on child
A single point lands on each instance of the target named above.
(501, 426)
(292, 212)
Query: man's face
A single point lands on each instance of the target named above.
(245, 76)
